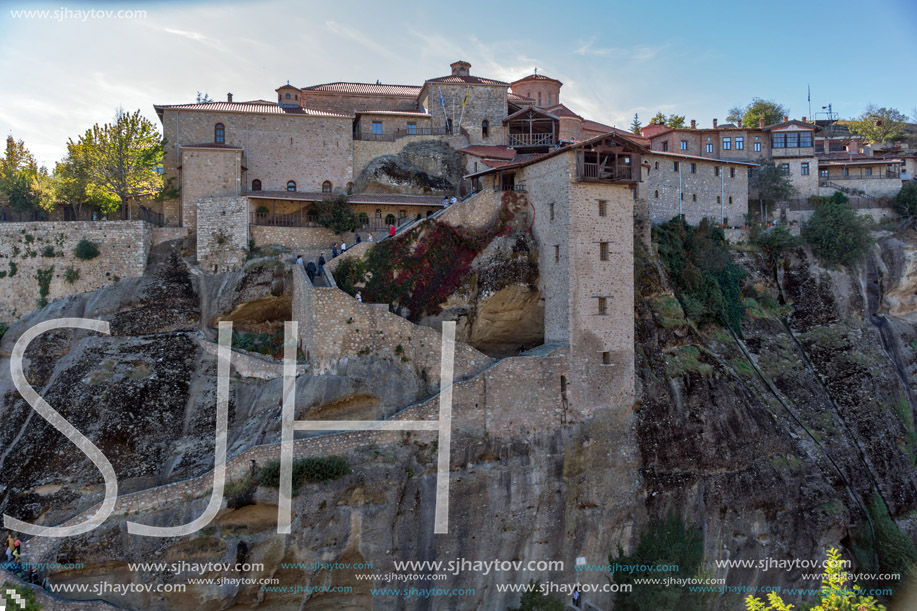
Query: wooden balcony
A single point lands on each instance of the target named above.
(596, 172)
(523, 140)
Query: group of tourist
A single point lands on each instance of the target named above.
(15, 565)
(449, 201)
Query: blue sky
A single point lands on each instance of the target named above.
(59, 76)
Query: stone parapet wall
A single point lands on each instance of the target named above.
(305, 238)
(124, 247)
(165, 234)
(222, 233)
(303, 309)
(344, 328)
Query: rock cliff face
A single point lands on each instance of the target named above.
(770, 445)
(420, 168)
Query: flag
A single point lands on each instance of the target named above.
(465, 101)
(442, 102)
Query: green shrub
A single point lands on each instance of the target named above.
(26, 594)
(905, 202)
(836, 233)
(262, 210)
(337, 215)
(13, 268)
(897, 553)
(707, 281)
(664, 542)
(48, 251)
(71, 275)
(311, 469)
(3, 328)
(44, 283)
(776, 241)
(241, 492)
(86, 250)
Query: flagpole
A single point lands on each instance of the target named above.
(464, 103)
(442, 102)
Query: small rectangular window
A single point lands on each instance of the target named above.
(804, 169)
(603, 207)
(792, 140)
(551, 211)
(693, 168)
(805, 139)
(732, 172)
(412, 128)
(656, 165)
(823, 173)
(727, 144)
(718, 199)
(684, 145)
(402, 214)
(377, 127)
(674, 166)
(665, 146)
(779, 141)
(785, 169)
(740, 143)
(694, 197)
(716, 171)
(603, 306)
(606, 358)
(709, 148)
(868, 171)
(603, 251)
(757, 147)
(730, 199)
(556, 253)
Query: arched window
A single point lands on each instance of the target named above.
(349, 188)
(256, 185)
(485, 128)
(288, 96)
(389, 219)
(326, 186)
(219, 133)
(363, 218)
(291, 185)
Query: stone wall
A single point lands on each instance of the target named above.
(222, 233)
(304, 238)
(348, 103)
(275, 148)
(344, 328)
(165, 234)
(208, 173)
(484, 102)
(303, 310)
(701, 190)
(123, 250)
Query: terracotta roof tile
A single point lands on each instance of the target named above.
(515, 97)
(537, 77)
(559, 110)
(367, 89)
(468, 80)
(271, 109)
(395, 113)
(490, 152)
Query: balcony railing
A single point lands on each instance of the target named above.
(8, 215)
(517, 187)
(593, 171)
(530, 140)
(401, 133)
(823, 180)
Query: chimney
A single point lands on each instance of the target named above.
(803, 119)
(740, 122)
(761, 123)
(714, 124)
(229, 97)
(693, 124)
(460, 68)
(785, 119)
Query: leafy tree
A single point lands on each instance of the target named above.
(25, 594)
(665, 543)
(837, 234)
(203, 98)
(536, 600)
(336, 214)
(118, 160)
(18, 177)
(635, 125)
(675, 121)
(707, 281)
(836, 595)
(659, 119)
(776, 241)
(759, 108)
(770, 184)
(905, 201)
(879, 124)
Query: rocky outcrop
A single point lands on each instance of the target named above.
(420, 168)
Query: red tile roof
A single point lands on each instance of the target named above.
(601, 128)
(537, 77)
(367, 89)
(654, 129)
(396, 113)
(496, 163)
(811, 126)
(270, 109)
(468, 80)
(515, 97)
(489, 152)
(559, 110)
